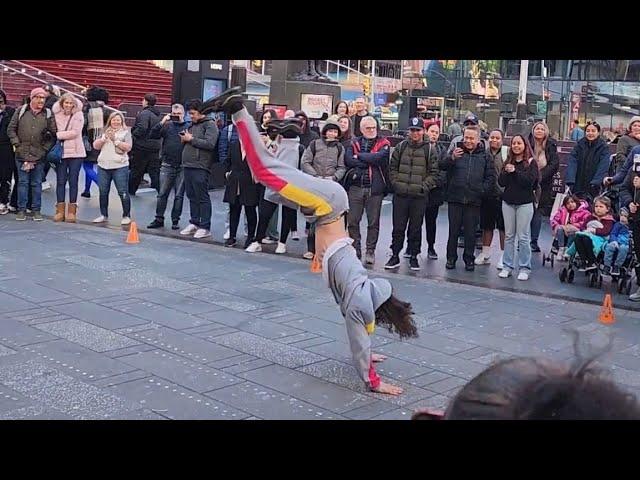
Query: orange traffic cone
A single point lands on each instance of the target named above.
(132, 237)
(606, 314)
(316, 267)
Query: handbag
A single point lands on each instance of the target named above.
(54, 156)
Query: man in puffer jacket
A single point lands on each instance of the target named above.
(413, 171)
(146, 150)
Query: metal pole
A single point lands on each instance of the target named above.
(521, 109)
(373, 86)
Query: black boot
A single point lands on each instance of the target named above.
(230, 101)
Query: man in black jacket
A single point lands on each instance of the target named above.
(145, 149)
(8, 167)
(171, 173)
(470, 176)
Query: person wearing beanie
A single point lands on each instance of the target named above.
(32, 131)
(7, 160)
(324, 158)
(363, 302)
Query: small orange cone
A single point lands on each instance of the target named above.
(316, 267)
(132, 237)
(606, 314)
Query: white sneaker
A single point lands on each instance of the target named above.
(281, 248)
(482, 260)
(505, 273)
(125, 221)
(12, 209)
(561, 253)
(253, 248)
(189, 230)
(226, 235)
(100, 219)
(523, 275)
(3, 209)
(500, 265)
(308, 255)
(202, 233)
(268, 241)
(295, 236)
(46, 186)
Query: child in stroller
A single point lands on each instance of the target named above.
(568, 220)
(617, 246)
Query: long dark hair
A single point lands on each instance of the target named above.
(274, 115)
(335, 110)
(348, 135)
(397, 317)
(527, 154)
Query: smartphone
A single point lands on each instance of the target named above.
(182, 132)
(460, 145)
(174, 118)
(636, 163)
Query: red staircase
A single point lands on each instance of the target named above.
(126, 80)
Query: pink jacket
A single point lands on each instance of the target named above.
(577, 218)
(73, 144)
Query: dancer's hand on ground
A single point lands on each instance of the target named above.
(378, 357)
(388, 389)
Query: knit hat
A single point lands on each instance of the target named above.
(38, 91)
(634, 119)
(331, 124)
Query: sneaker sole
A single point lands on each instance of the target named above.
(391, 267)
(415, 269)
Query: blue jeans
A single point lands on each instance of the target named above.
(196, 184)
(563, 239)
(120, 177)
(31, 180)
(611, 249)
(171, 178)
(90, 175)
(69, 169)
(517, 222)
(536, 225)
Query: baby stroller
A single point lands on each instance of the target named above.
(627, 277)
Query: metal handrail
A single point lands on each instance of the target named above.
(81, 87)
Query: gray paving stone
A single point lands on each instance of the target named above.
(222, 299)
(493, 341)
(77, 361)
(11, 399)
(34, 413)
(437, 402)
(434, 360)
(440, 343)
(16, 334)
(474, 353)
(176, 369)
(296, 338)
(185, 345)
(99, 316)
(54, 317)
(6, 351)
(85, 334)
(250, 292)
(370, 411)
(285, 355)
(227, 317)
(55, 389)
(231, 361)
(177, 301)
(174, 401)
(213, 334)
(10, 303)
(122, 352)
(446, 385)
(123, 378)
(140, 414)
(161, 315)
(321, 327)
(429, 378)
(203, 328)
(397, 414)
(247, 366)
(346, 376)
(306, 344)
(269, 404)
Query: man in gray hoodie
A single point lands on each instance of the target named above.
(363, 302)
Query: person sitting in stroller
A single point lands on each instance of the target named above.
(618, 242)
(590, 242)
(568, 220)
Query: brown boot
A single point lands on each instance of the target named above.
(59, 216)
(71, 214)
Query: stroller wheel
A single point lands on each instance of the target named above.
(571, 276)
(563, 275)
(629, 284)
(544, 259)
(552, 261)
(592, 281)
(599, 281)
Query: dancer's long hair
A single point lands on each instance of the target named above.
(397, 317)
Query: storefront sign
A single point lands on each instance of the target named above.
(315, 105)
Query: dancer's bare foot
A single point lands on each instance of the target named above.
(378, 357)
(388, 389)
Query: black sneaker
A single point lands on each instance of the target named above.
(156, 224)
(413, 263)
(394, 262)
(406, 254)
(534, 247)
(281, 127)
(606, 270)
(451, 264)
(175, 226)
(615, 271)
(230, 242)
(85, 194)
(222, 101)
(469, 267)
(431, 254)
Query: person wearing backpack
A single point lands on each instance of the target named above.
(146, 150)
(32, 131)
(413, 171)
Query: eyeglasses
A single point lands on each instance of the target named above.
(369, 128)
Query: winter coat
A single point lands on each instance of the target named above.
(198, 153)
(94, 125)
(145, 121)
(33, 135)
(547, 173)
(625, 144)
(599, 239)
(414, 169)
(171, 153)
(109, 158)
(240, 186)
(628, 194)
(624, 169)
(620, 233)
(470, 177)
(324, 159)
(577, 218)
(436, 195)
(5, 118)
(73, 145)
(368, 164)
(588, 165)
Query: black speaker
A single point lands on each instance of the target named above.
(239, 77)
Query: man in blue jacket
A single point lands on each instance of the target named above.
(171, 173)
